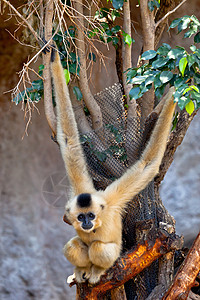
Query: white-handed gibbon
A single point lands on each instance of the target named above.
(97, 215)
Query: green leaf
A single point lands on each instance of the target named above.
(166, 76)
(77, 93)
(164, 49)
(183, 24)
(182, 65)
(149, 54)
(190, 88)
(117, 3)
(182, 101)
(67, 75)
(115, 29)
(114, 14)
(193, 48)
(174, 23)
(152, 4)
(115, 40)
(131, 73)
(191, 60)
(160, 62)
(197, 38)
(150, 79)
(174, 53)
(92, 56)
(37, 85)
(175, 121)
(134, 93)
(138, 79)
(41, 67)
(190, 107)
(160, 91)
(195, 96)
(127, 38)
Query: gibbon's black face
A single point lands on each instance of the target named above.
(86, 220)
(84, 212)
(84, 201)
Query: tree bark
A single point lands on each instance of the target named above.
(90, 102)
(48, 104)
(186, 275)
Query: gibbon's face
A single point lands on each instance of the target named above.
(84, 212)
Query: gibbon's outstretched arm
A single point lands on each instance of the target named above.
(67, 132)
(142, 172)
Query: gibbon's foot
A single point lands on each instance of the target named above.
(77, 252)
(96, 273)
(82, 274)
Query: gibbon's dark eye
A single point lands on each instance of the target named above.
(91, 216)
(81, 217)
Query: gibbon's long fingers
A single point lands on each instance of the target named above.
(142, 172)
(67, 132)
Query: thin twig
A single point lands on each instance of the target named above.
(25, 21)
(169, 13)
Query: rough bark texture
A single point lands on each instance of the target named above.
(91, 104)
(186, 275)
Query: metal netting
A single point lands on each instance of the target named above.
(109, 152)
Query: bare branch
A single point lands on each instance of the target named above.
(169, 13)
(48, 104)
(148, 28)
(186, 275)
(38, 39)
(91, 104)
(126, 56)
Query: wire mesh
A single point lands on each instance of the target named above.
(109, 152)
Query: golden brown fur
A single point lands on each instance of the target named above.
(95, 250)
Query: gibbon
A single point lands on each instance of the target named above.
(97, 215)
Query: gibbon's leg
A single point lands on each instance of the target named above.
(102, 255)
(83, 274)
(96, 273)
(142, 172)
(67, 132)
(77, 252)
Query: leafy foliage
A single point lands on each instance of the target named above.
(34, 93)
(174, 67)
(152, 4)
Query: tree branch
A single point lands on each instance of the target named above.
(169, 13)
(148, 28)
(164, 8)
(132, 263)
(186, 275)
(38, 39)
(48, 104)
(126, 57)
(90, 102)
